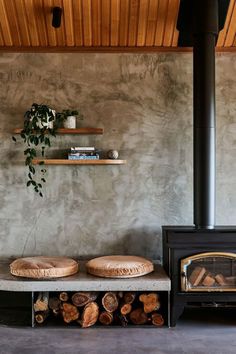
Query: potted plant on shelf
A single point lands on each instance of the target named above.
(69, 118)
(40, 124)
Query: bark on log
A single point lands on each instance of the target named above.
(120, 294)
(56, 312)
(150, 302)
(69, 312)
(209, 280)
(157, 319)
(231, 280)
(110, 302)
(221, 279)
(106, 318)
(81, 299)
(54, 303)
(123, 320)
(41, 303)
(64, 296)
(138, 316)
(90, 315)
(129, 297)
(197, 275)
(40, 317)
(125, 309)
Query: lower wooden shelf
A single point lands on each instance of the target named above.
(78, 162)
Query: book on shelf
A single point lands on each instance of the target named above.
(83, 157)
(82, 148)
(83, 153)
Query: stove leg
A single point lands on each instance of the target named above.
(176, 310)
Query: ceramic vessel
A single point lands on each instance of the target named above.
(70, 122)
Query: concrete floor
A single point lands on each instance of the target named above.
(196, 333)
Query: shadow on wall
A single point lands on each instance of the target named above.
(143, 242)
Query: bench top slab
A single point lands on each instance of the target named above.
(155, 281)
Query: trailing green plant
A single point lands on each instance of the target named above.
(68, 112)
(36, 134)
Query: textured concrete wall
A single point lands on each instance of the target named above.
(144, 104)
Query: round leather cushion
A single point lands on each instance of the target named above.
(44, 267)
(119, 266)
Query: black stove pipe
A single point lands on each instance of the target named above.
(205, 31)
(199, 22)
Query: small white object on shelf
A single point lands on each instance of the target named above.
(113, 154)
(70, 122)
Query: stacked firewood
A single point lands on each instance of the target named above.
(110, 308)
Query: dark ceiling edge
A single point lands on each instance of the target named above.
(105, 49)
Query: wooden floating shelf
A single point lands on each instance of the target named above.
(71, 131)
(78, 162)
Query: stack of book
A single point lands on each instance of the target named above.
(83, 153)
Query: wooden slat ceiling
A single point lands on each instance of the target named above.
(99, 25)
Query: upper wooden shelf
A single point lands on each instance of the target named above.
(71, 131)
(78, 162)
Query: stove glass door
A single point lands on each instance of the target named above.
(212, 271)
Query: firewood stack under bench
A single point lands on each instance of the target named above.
(86, 309)
(83, 300)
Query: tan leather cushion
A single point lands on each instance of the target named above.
(44, 267)
(119, 266)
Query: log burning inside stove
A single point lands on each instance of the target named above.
(210, 271)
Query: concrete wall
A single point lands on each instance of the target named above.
(144, 104)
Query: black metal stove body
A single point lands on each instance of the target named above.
(180, 242)
(199, 23)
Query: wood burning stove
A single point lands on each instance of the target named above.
(201, 265)
(200, 259)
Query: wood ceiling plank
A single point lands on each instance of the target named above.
(223, 32)
(133, 22)
(1, 37)
(68, 20)
(12, 19)
(78, 24)
(22, 22)
(161, 19)
(96, 22)
(6, 33)
(30, 14)
(40, 22)
(175, 38)
(115, 22)
(151, 22)
(47, 12)
(60, 32)
(124, 22)
(106, 22)
(171, 18)
(229, 40)
(87, 22)
(175, 31)
(142, 22)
